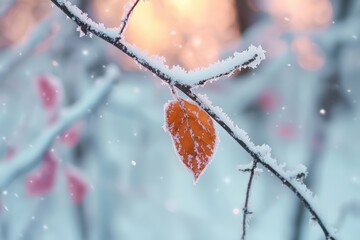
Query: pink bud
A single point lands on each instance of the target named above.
(267, 101)
(42, 180)
(72, 135)
(77, 184)
(50, 91)
(286, 131)
(10, 153)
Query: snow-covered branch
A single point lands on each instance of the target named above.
(129, 8)
(185, 81)
(29, 158)
(249, 58)
(262, 155)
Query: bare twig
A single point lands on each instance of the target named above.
(293, 185)
(250, 58)
(126, 17)
(28, 159)
(246, 211)
(241, 137)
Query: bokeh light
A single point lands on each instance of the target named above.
(314, 14)
(18, 21)
(190, 33)
(308, 53)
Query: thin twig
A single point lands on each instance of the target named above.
(257, 157)
(246, 211)
(186, 89)
(125, 19)
(240, 66)
(170, 76)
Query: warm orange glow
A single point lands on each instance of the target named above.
(301, 15)
(186, 32)
(19, 19)
(309, 55)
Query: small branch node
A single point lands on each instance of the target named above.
(128, 11)
(247, 212)
(299, 174)
(246, 167)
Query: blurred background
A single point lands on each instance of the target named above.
(115, 174)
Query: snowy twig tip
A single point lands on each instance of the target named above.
(299, 173)
(259, 53)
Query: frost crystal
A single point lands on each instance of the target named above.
(78, 29)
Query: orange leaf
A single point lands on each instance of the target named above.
(193, 134)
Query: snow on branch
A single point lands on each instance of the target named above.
(87, 24)
(185, 81)
(129, 8)
(249, 58)
(262, 155)
(29, 158)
